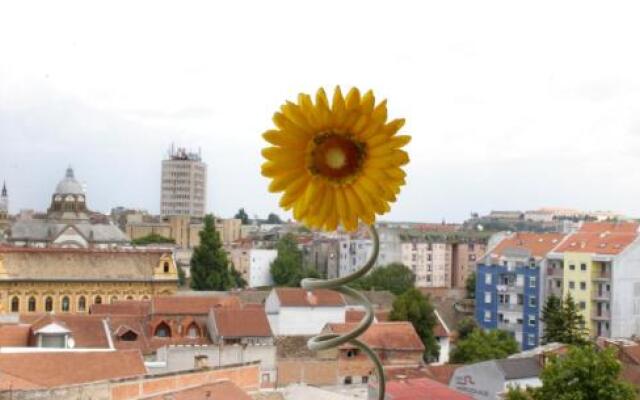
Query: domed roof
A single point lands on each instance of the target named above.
(69, 185)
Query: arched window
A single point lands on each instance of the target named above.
(15, 304)
(114, 299)
(129, 297)
(162, 330)
(129, 336)
(65, 304)
(193, 331)
(82, 304)
(166, 267)
(32, 304)
(145, 297)
(48, 304)
(98, 300)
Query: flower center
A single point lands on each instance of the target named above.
(335, 156)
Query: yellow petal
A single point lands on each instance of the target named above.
(281, 182)
(353, 99)
(284, 139)
(367, 102)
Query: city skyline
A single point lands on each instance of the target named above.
(504, 114)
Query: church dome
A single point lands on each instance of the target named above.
(69, 185)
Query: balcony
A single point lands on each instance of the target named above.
(601, 276)
(601, 295)
(509, 307)
(602, 315)
(554, 272)
(509, 326)
(509, 289)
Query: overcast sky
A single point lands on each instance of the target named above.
(511, 105)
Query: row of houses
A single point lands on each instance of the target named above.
(598, 266)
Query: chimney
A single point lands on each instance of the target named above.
(201, 361)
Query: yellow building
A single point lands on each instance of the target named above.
(185, 230)
(71, 280)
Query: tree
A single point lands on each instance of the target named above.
(182, 277)
(466, 326)
(563, 322)
(395, 278)
(554, 323)
(412, 306)
(286, 269)
(516, 393)
(152, 238)
(273, 219)
(209, 264)
(243, 216)
(584, 373)
(237, 279)
(484, 345)
(470, 285)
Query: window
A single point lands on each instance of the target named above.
(162, 330)
(193, 331)
(129, 297)
(558, 284)
(15, 304)
(520, 299)
(352, 353)
(32, 304)
(572, 285)
(532, 321)
(166, 267)
(583, 305)
(531, 339)
(266, 378)
(82, 304)
(583, 267)
(583, 285)
(113, 299)
(98, 300)
(348, 380)
(48, 304)
(65, 304)
(532, 301)
(129, 336)
(532, 282)
(487, 316)
(572, 267)
(520, 280)
(487, 279)
(487, 297)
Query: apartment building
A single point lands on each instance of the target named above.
(430, 262)
(508, 290)
(599, 265)
(184, 184)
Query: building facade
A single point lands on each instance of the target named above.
(35, 280)
(184, 184)
(68, 222)
(599, 266)
(184, 230)
(508, 285)
(254, 265)
(354, 253)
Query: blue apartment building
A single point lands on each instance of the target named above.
(509, 286)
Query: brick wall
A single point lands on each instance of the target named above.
(246, 377)
(312, 372)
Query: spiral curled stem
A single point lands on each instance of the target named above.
(331, 340)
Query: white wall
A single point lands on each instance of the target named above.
(259, 267)
(304, 320)
(625, 293)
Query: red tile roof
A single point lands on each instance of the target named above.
(439, 373)
(422, 389)
(222, 390)
(45, 370)
(123, 307)
(245, 322)
(191, 305)
(539, 244)
(358, 315)
(384, 335)
(610, 243)
(298, 297)
(14, 335)
(613, 227)
(87, 331)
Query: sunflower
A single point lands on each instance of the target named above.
(338, 163)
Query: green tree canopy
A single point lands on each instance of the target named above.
(483, 345)
(584, 373)
(152, 238)
(470, 285)
(273, 219)
(466, 326)
(395, 278)
(243, 216)
(288, 269)
(562, 321)
(412, 306)
(209, 264)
